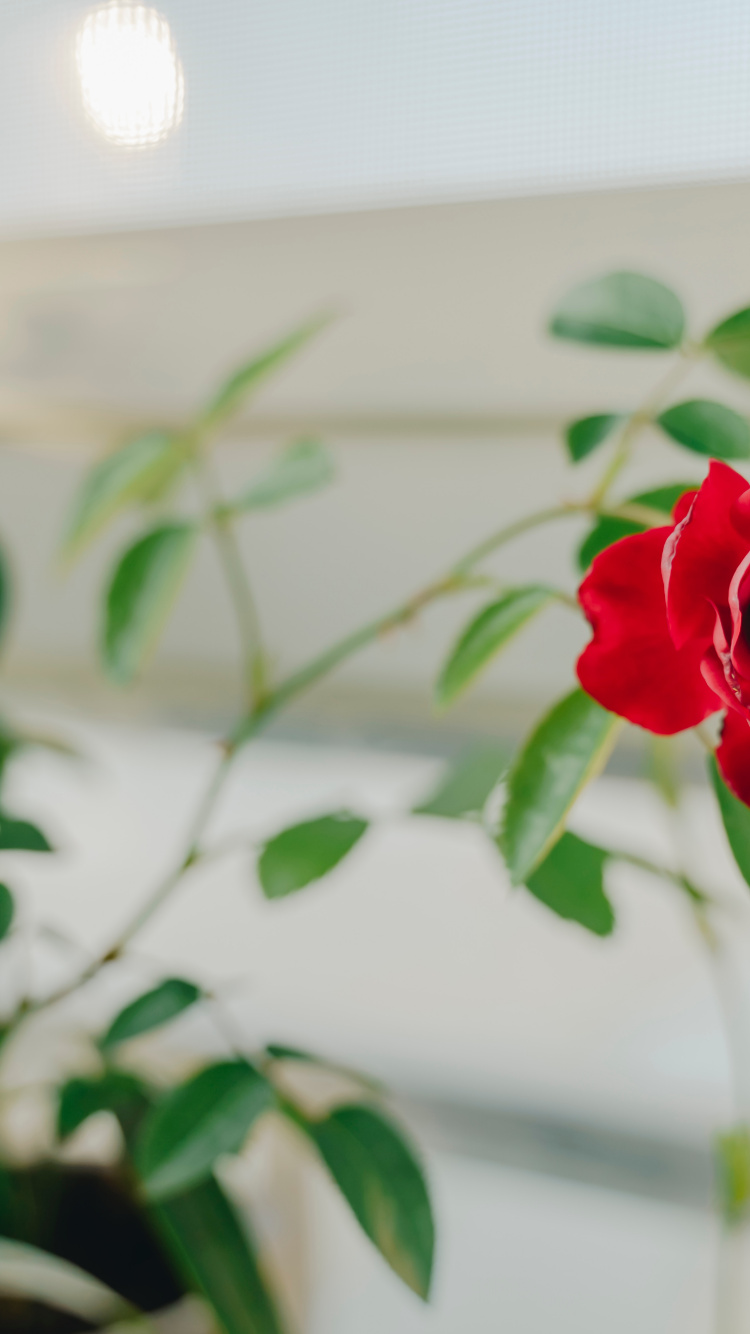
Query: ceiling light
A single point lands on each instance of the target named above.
(131, 77)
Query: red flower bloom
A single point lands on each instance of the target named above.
(670, 611)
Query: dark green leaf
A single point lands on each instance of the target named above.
(605, 532)
(736, 818)
(733, 1174)
(114, 1091)
(301, 468)
(609, 529)
(7, 910)
(467, 785)
(730, 342)
(27, 1272)
(251, 376)
(198, 1122)
(583, 436)
(143, 588)
(621, 310)
(305, 852)
(150, 1010)
(486, 635)
(567, 749)
(708, 428)
(139, 472)
(21, 836)
(217, 1258)
(379, 1176)
(570, 882)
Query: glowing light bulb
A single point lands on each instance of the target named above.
(131, 77)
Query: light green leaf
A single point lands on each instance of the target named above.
(7, 911)
(736, 819)
(378, 1174)
(621, 310)
(151, 1010)
(467, 785)
(483, 638)
(30, 1274)
(139, 472)
(114, 1091)
(610, 529)
(663, 770)
(301, 468)
(582, 437)
(567, 749)
(278, 1052)
(196, 1123)
(217, 1258)
(21, 836)
(570, 882)
(730, 342)
(305, 852)
(140, 595)
(708, 428)
(251, 376)
(732, 1150)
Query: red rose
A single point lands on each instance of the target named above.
(670, 611)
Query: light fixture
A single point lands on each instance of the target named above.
(131, 77)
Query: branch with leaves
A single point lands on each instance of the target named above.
(172, 1141)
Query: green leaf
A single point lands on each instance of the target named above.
(305, 852)
(278, 1052)
(151, 1010)
(707, 428)
(217, 1258)
(194, 1124)
(252, 375)
(486, 635)
(31, 1274)
(570, 882)
(379, 1176)
(143, 588)
(21, 836)
(730, 342)
(605, 532)
(139, 472)
(732, 1150)
(582, 437)
(303, 467)
(467, 785)
(609, 529)
(736, 819)
(567, 749)
(621, 310)
(7, 911)
(114, 1091)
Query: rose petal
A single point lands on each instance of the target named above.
(733, 755)
(741, 514)
(631, 665)
(702, 557)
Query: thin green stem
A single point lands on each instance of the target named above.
(220, 521)
(641, 418)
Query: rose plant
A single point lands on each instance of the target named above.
(666, 591)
